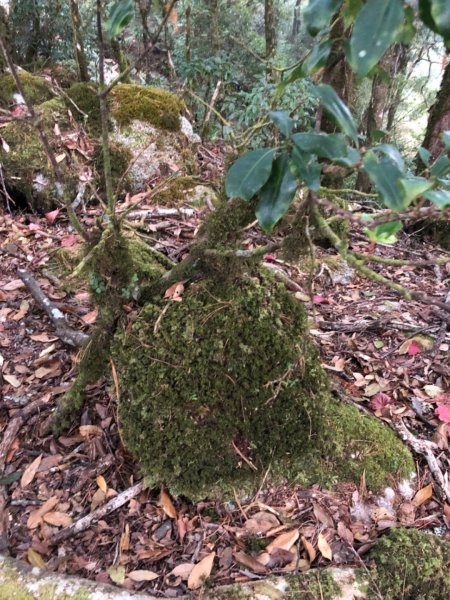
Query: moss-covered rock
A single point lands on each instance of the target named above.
(26, 167)
(227, 373)
(160, 108)
(412, 565)
(87, 105)
(186, 189)
(37, 89)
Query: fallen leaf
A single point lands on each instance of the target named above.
(12, 380)
(345, 534)
(440, 436)
(183, 570)
(318, 299)
(423, 495)
(90, 317)
(69, 240)
(35, 559)
(125, 539)
(447, 515)
(58, 519)
(261, 522)
(175, 291)
(378, 344)
(379, 401)
(167, 504)
(98, 498)
(117, 574)
(89, 430)
(142, 575)
(279, 558)
(249, 562)
(285, 541)
(432, 391)
(323, 516)
(324, 547)
(5, 145)
(36, 516)
(101, 482)
(311, 551)
(11, 286)
(201, 571)
(30, 472)
(42, 337)
(414, 348)
(51, 216)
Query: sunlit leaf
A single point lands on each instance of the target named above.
(117, 574)
(324, 547)
(337, 110)
(441, 166)
(413, 187)
(201, 571)
(249, 173)
(306, 168)
(391, 152)
(384, 234)
(318, 13)
(120, 15)
(376, 27)
(423, 495)
(440, 198)
(283, 122)
(277, 194)
(350, 11)
(425, 156)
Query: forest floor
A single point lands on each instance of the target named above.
(389, 355)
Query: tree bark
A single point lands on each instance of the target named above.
(78, 42)
(296, 22)
(439, 117)
(270, 35)
(188, 34)
(214, 15)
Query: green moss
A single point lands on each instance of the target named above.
(121, 157)
(26, 159)
(175, 192)
(37, 89)
(412, 565)
(232, 365)
(85, 98)
(158, 107)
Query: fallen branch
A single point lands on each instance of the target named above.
(96, 515)
(63, 331)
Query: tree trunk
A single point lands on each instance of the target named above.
(187, 44)
(396, 87)
(270, 35)
(31, 52)
(214, 15)
(78, 41)
(439, 117)
(121, 58)
(4, 30)
(145, 7)
(296, 22)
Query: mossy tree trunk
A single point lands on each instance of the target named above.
(4, 33)
(214, 17)
(270, 36)
(296, 21)
(78, 41)
(439, 116)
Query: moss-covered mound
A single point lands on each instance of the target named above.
(157, 107)
(37, 89)
(26, 167)
(85, 106)
(412, 565)
(224, 385)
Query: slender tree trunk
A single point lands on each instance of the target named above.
(270, 35)
(4, 30)
(145, 7)
(78, 42)
(396, 87)
(33, 44)
(439, 116)
(188, 34)
(296, 22)
(121, 58)
(214, 15)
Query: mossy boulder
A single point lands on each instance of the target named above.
(412, 565)
(37, 89)
(225, 387)
(28, 175)
(186, 190)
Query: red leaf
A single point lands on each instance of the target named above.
(414, 348)
(69, 240)
(379, 401)
(51, 216)
(443, 412)
(34, 227)
(318, 299)
(270, 257)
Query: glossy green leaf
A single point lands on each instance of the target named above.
(436, 16)
(425, 156)
(120, 15)
(350, 11)
(413, 187)
(282, 121)
(386, 176)
(378, 135)
(277, 194)
(249, 173)
(408, 29)
(441, 198)
(318, 13)
(385, 234)
(306, 168)
(317, 58)
(376, 27)
(446, 139)
(337, 110)
(391, 152)
(441, 166)
(332, 146)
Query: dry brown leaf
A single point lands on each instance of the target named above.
(175, 291)
(345, 534)
(12, 380)
(30, 472)
(440, 436)
(423, 495)
(447, 515)
(261, 522)
(285, 541)
(11, 286)
(167, 504)
(42, 337)
(263, 558)
(58, 519)
(35, 559)
(36, 516)
(98, 498)
(125, 539)
(201, 571)
(323, 516)
(142, 575)
(101, 482)
(249, 562)
(311, 551)
(90, 430)
(324, 547)
(183, 570)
